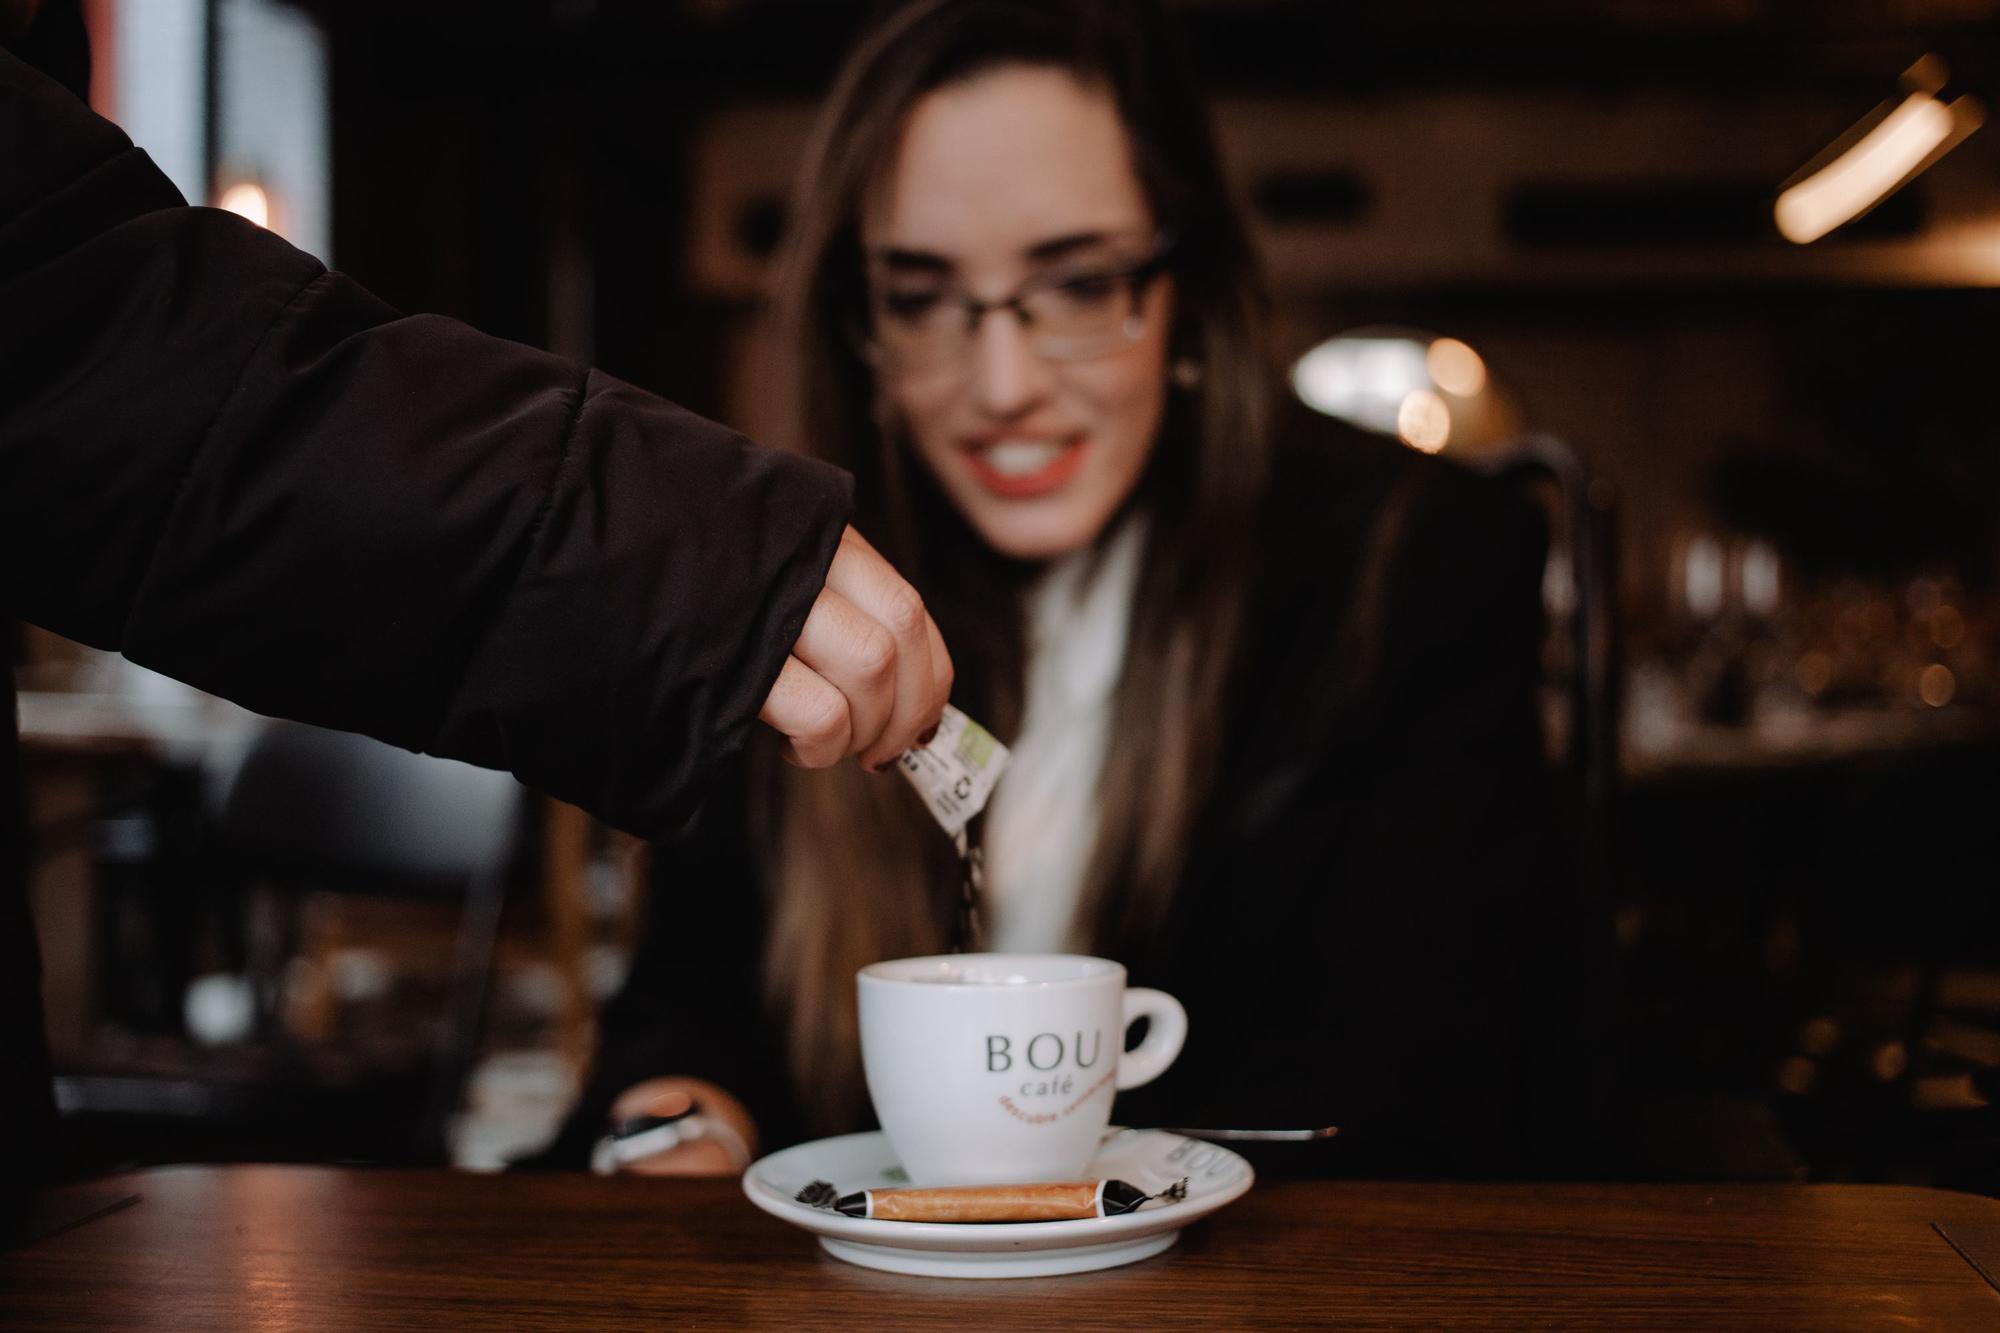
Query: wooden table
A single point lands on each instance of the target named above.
(307, 1248)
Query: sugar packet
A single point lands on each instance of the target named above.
(955, 775)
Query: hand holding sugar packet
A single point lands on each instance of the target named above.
(955, 775)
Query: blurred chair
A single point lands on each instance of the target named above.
(1920, 847)
(307, 813)
(315, 811)
(1583, 557)
(1659, 1131)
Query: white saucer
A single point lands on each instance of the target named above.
(1151, 1159)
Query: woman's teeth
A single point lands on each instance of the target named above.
(1021, 458)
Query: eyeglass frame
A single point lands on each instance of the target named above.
(1138, 276)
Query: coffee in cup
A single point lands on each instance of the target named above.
(999, 1068)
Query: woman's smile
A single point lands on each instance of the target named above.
(1024, 467)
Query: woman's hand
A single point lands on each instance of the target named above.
(701, 1157)
(869, 674)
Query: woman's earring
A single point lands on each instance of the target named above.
(1186, 373)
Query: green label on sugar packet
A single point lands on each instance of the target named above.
(955, 773)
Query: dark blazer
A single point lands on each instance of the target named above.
(1376, 928)
(248, 473)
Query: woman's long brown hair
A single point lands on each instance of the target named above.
(856, 871)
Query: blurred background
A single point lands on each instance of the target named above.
(1717, 280)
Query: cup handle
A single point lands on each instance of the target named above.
(1166, 1029)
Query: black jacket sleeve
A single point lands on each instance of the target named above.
(248, 473)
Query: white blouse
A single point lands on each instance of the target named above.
(1041, 825)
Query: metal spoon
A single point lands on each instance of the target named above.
(1259, 1135)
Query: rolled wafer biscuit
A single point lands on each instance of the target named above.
(1053, 1202)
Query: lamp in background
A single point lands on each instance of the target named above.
(1455, 367)
(246, 199)
(1880, 155)
(1429, 392)
(1423, 421)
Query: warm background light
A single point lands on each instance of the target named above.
(1936, 685)
(1860, 177)
(1916, 132)
(1455, 367)
(247, 199)
(1423, 421)
(1947, 627)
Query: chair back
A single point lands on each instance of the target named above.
(1585, 543)
(335, 812)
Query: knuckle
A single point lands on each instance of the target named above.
(875, 654)
(825, 721)
(904, 611)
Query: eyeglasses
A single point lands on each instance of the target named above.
(1069, 314)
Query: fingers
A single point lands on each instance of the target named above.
(943, 674)
(667, 1098)
(703, 1157)
(856, 655)
(810, 714)
(867, 581)
(674, 1100)
(654, 1096)
(709, 1156)
(869, 675)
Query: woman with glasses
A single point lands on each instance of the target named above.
(1270, 692)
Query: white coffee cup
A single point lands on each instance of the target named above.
(992, 1068)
